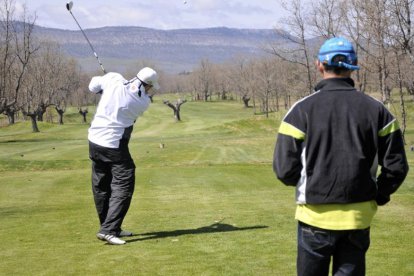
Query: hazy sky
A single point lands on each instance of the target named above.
(158, 14)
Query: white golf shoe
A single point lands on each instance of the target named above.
(110, 239)
(114, 240)
(100, 236)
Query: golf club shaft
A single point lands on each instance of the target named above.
(93, 50)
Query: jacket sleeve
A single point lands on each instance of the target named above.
(392, 159)
(95, 85)
(287, 163)
(99, 83)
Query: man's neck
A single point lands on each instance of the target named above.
(329, 75)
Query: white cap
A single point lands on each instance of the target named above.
(149, 76)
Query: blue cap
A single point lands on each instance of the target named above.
(338, 52)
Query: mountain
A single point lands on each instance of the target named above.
(171, 50)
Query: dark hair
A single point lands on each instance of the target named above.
(335, 69)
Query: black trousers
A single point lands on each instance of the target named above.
(113, 183)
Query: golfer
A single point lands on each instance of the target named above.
(113, 170)
(329, 146)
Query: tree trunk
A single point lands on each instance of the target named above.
(10, 116)
(34, 122)
(39, 115)
(177, 114)
(60, 112)
(245, 100)
(83, 113)
(402, 101)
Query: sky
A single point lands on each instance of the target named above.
(156, 14)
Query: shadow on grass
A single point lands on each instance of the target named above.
(214, 228)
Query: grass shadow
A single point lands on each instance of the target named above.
(214, 228)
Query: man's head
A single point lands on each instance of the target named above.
(337, 56)
(149, 78)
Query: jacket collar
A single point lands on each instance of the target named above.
(336, 84)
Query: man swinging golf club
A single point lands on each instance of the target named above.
(113, 169)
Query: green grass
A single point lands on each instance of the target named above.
(207, 203)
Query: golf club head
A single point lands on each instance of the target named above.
(69, 5)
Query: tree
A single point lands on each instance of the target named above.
(83, 112)
(402, 32)
(402, 44)
(242, 80)
(69, 82)
(369, 31)
(326, 18)
(204, 82)
(295, 47)
(265, 76)
(50, 79)
(176, 108)
(16, 50)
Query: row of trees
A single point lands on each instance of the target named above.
(34, 75)
(381, 30)
(262, 84)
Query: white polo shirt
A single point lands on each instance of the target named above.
(119, 108)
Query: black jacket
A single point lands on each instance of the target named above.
(331, 143)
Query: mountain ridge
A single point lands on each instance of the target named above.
(171, 50)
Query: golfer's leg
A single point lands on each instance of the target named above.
(101, 187)
(123, 183)
(314, 251)
(349, 258)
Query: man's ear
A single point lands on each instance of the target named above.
(319, 66)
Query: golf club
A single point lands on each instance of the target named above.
(69, 6)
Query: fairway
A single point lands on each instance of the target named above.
(207, 203)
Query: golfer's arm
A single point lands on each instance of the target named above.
(95, 86)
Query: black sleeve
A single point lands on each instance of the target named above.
(393, 162)
(287, 163)
(287, 159)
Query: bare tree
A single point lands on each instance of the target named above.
(402, 32)
(16, 50)
(176, 108)
(205, 79)
(372, 39)
(29, 103)
(266, 84)
(69, 83)
(242, 79)
(83, 112)
(50, 79)
(295, 47)
(326, 18)
(402, 43)
(400, 83)
(222, 78)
